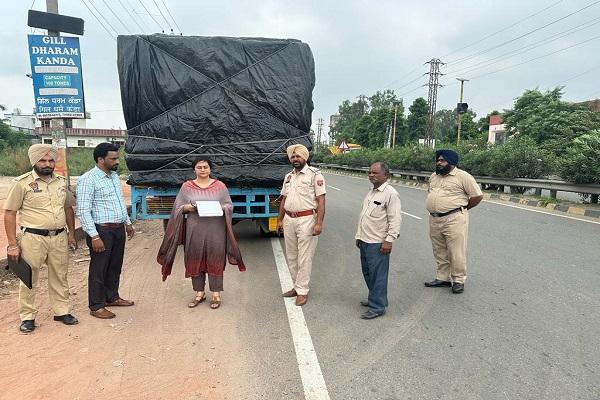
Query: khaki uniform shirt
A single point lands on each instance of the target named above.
(380, 217)
(41, 205)
(301, 189)
(451, 191)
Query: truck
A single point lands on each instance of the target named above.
(238, 101)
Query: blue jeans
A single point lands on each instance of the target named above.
(375, 268)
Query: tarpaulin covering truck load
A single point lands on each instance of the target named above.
(238, 101)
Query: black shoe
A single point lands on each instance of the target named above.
(458, 288)
(438, 283)
(66, 319)
(370, 314)
(27, 326)
(364, 303)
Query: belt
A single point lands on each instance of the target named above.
(111, 225)
(436, 214)
(299, 213)
(44, 232)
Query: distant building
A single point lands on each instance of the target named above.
(497, 130)
(593, 105)
(84, 137)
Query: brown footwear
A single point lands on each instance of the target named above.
(197, 300)
(215, 303)
(290, 293)
(120, 303)
(301, 300)
(102, 313)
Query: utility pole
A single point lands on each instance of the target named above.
(57, 125)
(394, 128)
(362, 100)
(459, 110)
(320, 122)
(434, 75)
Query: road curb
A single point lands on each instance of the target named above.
(581, 210)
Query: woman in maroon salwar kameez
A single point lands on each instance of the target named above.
(208, 242)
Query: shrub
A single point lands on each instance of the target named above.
(580, 163)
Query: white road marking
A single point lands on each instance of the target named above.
(541, 212)
(333, 187)
(410, 215)
(308, 363)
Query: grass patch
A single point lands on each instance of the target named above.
(15, 162)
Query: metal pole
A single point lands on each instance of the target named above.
(394, 128)
(462, 83)
(57, 125)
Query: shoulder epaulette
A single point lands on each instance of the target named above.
(21, 177)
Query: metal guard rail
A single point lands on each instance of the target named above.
(541, 184)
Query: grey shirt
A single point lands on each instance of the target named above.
(380, 217)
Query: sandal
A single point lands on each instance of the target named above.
(215, 303)
(197, 300)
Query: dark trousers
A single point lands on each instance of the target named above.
(215, 283)
(375, 268)
(105, 267)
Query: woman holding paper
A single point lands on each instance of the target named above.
(205, 231)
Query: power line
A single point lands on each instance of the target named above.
(491, 61)
(408, 83)
(523, 35)
(171, 15)
(116, 16)
(98, 19)
(162, 15)
(103, 17)
(131, 16)
(537, 58)
(154, 19)
(503, 29)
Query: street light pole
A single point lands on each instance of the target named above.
(459, 114)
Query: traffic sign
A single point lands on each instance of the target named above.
(56, 74)
(343, 146)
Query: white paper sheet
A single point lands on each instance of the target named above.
(209, 208)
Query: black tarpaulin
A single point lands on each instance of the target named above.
(238, 101)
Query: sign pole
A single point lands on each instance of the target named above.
(57, 125)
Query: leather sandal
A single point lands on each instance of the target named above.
(197, 300)
(215, 303)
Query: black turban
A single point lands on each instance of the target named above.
(449, 155)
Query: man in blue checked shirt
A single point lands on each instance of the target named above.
(103, 216)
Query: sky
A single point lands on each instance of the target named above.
(359, 47)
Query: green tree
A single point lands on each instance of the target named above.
(483, 125)
(417, 120)
(10, 137)
(445, 126)
(549, 121)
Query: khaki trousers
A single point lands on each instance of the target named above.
(52, 251)
(449, 241)
(300, 246)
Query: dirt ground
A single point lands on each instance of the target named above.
(157, 349)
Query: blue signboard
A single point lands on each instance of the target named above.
(56, 73)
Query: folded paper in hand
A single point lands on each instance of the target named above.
(209, 208)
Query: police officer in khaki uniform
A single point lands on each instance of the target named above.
(46, 206)
(451, 193)
(301, 215)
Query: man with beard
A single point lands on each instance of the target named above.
(101, 210)
(301, 215)
(378, 227)
(45, 205)
(450, 194)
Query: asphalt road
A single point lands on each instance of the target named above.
(527, 326)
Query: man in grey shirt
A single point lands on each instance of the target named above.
(378, 227)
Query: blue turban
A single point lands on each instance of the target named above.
(449, 155)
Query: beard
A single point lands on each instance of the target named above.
(43, 171)
(114, 167)
(299, 164)
(444, 170)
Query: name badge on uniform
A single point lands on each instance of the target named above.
(35, 187)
